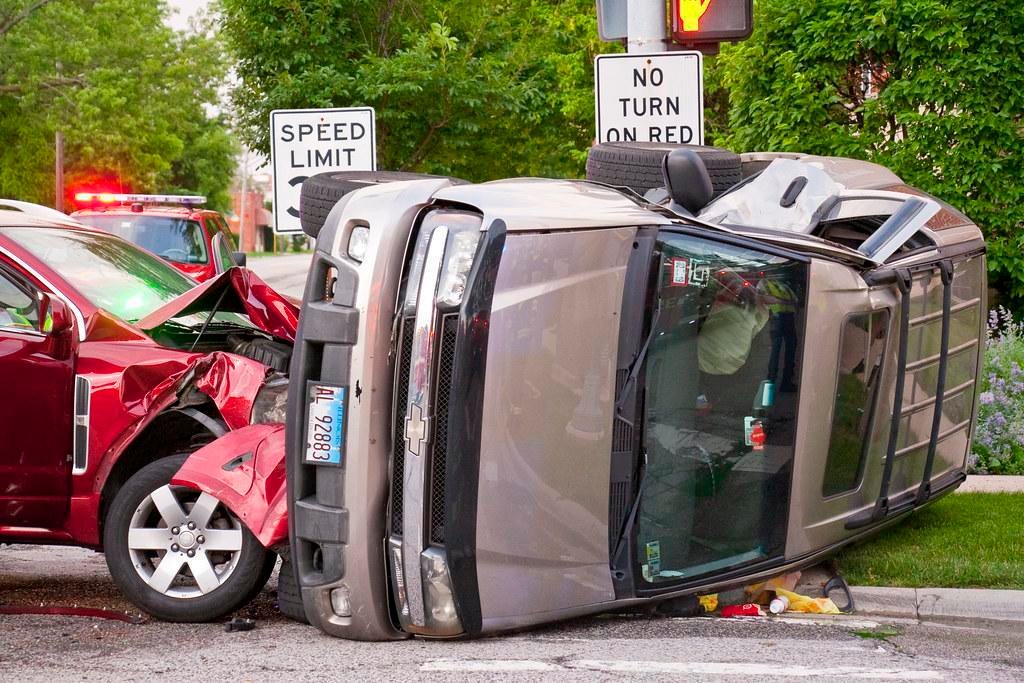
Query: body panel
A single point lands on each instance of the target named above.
(245, 470)
(36, 410)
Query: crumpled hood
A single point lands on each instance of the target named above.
(239, 291)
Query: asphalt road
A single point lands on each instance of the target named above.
(56, 647)
(59, 647)
(285, 273)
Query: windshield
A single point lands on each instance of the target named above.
(720, 397)
(175, 239)
(110, 273)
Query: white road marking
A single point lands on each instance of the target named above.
(496, 665)
(751, 669)
(757, 669)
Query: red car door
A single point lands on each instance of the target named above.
(36, 385)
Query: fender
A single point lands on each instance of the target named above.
(245, 470)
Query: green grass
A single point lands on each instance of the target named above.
(969, 540)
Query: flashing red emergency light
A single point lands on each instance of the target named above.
(111, 198)
(703, 22)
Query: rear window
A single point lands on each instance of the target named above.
(175, 239)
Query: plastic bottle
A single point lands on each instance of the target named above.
(779, 605)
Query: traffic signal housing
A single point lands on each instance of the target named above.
(705, 22)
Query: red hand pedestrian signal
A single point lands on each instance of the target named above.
(690, 12)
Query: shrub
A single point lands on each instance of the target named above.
(999, 436)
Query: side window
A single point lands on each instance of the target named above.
(223, 252)
(861, 350)
(19, 306)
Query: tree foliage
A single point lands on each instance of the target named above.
(473, 89)
(129, 94)
(933, 89)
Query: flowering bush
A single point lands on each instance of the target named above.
(999, 436)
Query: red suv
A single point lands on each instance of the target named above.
(194, 240)
(116, 367)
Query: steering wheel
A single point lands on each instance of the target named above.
(173, 255)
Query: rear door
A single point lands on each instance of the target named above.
(35, 408)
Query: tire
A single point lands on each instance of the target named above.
(637, 165)
(232, 576)
(321, 192)
(289, 598)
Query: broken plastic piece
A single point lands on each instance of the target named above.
(838, 584)
(240, 624)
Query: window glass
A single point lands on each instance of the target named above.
(223, 252)
(860, 368)
(229, 238)
(19, 309)
(175, 239)
(111, 273)
(720, 387)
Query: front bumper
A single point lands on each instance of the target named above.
(338, 514)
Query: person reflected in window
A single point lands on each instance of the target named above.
(782, 303)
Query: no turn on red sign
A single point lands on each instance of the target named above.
(304, 142)
(650, 97)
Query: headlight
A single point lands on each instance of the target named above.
(458, 262)
(271, 402)
(358, 240)
(463, 239)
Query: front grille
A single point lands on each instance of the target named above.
(402, 368)
(445, 368)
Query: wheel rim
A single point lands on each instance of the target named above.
(183, 543)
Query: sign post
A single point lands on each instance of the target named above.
(305, 142)
(650, 98)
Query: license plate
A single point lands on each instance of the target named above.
(325, 426)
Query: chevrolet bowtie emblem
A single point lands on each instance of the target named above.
(415, 429)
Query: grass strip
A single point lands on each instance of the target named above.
(969, 540)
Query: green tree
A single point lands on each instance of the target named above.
(129, 94)
(933, 89)
(479, 90)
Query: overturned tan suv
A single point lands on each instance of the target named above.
(527, 400)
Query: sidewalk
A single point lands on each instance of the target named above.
(992, 483)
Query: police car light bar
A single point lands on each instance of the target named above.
(109, 198)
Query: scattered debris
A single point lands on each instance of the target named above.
(240, 624)
(91, 612)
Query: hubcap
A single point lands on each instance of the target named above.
(183, 543)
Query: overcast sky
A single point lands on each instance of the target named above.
(182, 10)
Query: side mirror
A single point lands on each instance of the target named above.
(687, 180)
(239, 258)
(55, 315)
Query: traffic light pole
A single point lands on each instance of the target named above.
(646, 26)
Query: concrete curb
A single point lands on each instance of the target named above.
(930, 603)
